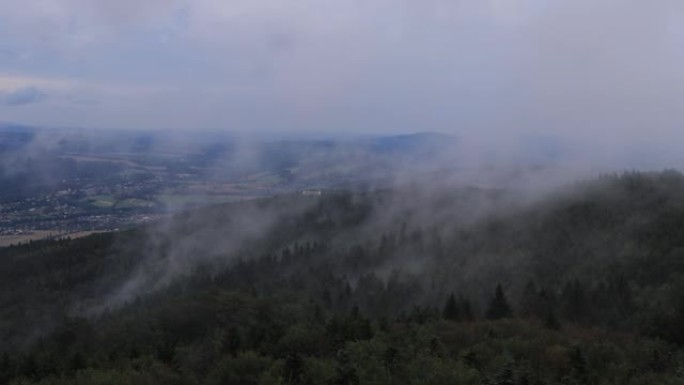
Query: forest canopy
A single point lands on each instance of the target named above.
(399, 286)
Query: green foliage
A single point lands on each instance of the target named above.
(595, 278)
(247, 368)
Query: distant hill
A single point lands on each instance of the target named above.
(421, 142)
(13, 137)
(36, 161)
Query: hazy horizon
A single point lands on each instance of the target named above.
(605, 72)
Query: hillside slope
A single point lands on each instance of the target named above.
(468, 285)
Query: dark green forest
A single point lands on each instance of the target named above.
(409, 285)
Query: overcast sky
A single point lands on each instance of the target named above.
(584, 68)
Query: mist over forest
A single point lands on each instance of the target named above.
(328, 192)
(377, 260)
(154, 257)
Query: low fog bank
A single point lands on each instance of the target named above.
(210, 238)
(479, 197)
(469, 156)
(441, 237)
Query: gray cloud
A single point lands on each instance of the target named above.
(602, 73)
(22, 96)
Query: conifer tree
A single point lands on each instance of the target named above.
(451, 311)
(498, 307)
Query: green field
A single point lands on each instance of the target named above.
(198, 199)
(102, 201)
(134, 203)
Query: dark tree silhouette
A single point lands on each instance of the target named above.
(499, 307)
(451, 311)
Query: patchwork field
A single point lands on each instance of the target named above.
(17, 239)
